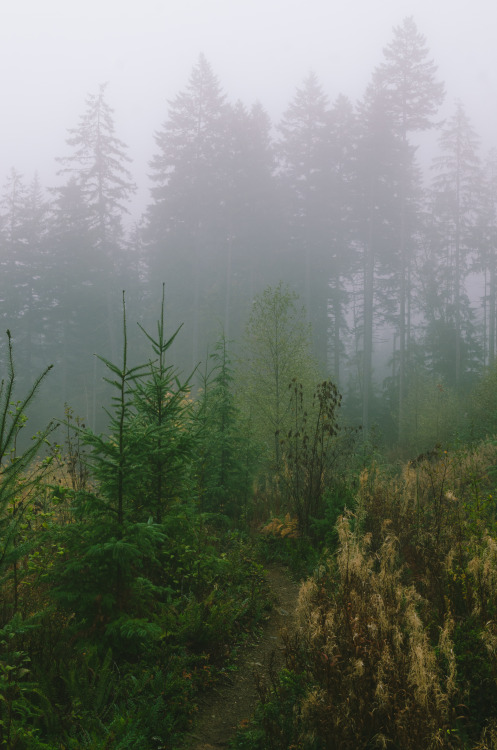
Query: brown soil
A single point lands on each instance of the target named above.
(222, 711)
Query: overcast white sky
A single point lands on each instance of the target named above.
(53, 52)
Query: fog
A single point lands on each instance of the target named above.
(53, 53)
(248, 320)
(329, 194)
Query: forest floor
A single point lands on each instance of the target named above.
(222, 711)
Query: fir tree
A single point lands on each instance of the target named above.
(343, 133)
(252, 213)
(412, 97)
(98, 166)
(163, 411)
(305, 168)
(186, 221)
(455, 209)
(226, 454)
(376, 208)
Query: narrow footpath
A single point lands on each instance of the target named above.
(222, 711)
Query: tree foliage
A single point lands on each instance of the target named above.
(276, 350)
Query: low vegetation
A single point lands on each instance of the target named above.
(131, 567)
(396, 645)
(124, 590)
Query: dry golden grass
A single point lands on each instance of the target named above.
(378, 624)
(379, 679)
(286, 528)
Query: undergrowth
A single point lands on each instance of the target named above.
(396, 644)
(121, 597)
(125, 585)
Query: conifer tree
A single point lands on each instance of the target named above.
(98, 166)
(226, 454)
(78, 313)
(35, 331)
(343, 133)
(186, 221)
(163, 413)
(455, 208)
(305, 168)
(252, 213)
(487, 255)
(412, 96)
(110, 543)
(376, 209)
(26, 270)
(98, 163)
(13, 263)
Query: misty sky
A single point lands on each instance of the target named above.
(53, 52)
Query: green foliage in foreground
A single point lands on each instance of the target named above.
(120, 599)
(124, 584)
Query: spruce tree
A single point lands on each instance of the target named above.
(99, 162)
(98, 166)
(226, 454)
(186, 222)
(455, 206)
(305, 168)
(163, 413)
(343, 260)
(376, 208)
(252, 214)
(486, 261)
(140, 478)
(14, 251)
(109, 545)
(412, 97)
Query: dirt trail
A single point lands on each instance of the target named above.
(222, 711)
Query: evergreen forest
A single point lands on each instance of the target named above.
(289, 357)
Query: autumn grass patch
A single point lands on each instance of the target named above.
(396, 644)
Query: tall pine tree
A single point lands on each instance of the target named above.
(305, 169)
(412, 97)
(455, 206)
(185, 229)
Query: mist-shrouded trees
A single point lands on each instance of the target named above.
(25, 299)
(253, 213)
(377, 204)
(305, 173)
(408, 78)
(486, 261)
(185, 221)
(451, 340)
(210, 229)
(76, 293)
(343, 132)
(99, 163)
(14, 260)
(412, 96)
(398, 279)
(87, 239)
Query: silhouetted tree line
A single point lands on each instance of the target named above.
(396, 269)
